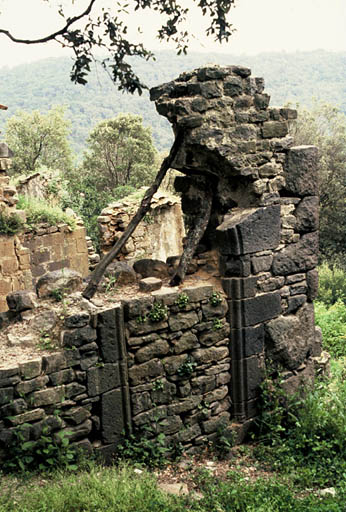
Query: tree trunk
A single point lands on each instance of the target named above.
(100, 268)
(193, 238)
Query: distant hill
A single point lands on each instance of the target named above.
(294, 77)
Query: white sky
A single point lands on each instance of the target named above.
(262, 25)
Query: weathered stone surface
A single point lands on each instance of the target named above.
(170, 425)
(312, 283)
(123, 273)
(103, 379)
(28, 386)
(212, 336)
(184, 405)
(203, 384)
(271, 129)
(65, 281)
(198, 293)
(21, 300)
(30, 369)
(8, 372)
(58, 378)
(209, 355)
(28, 416)
(151, 268)
(6, 395)
(301, 171)
(182, 321)
(142, 325)
(210, 311)
(112, 416)
(231, 266)
(76, 415)
(261, 263)
(150, 284)
(293, 303)
(143, 372)
(307, 215)
(158, 348)
(247, 341)
(186, 342)
(172, 363)
(249, 230)
(164, 395)
(48, 396)
(140, 402)
(15, 407)
(289, 339)
(78, 320)
(53, 362)
(74, 389)
(297, 257)
(239, 288)
(247, 312)
(78, 337)
(45, 321)
(78, 432)
(215, 423)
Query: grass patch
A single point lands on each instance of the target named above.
(39, 212)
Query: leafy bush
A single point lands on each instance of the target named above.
(332, 320)
(306, 435)
(10, 224)
(332, 284)
(38, 212)
(45, 454)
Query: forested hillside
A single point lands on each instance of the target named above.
(289, 77)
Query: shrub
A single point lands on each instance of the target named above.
(332, 321)
(332, 284)
(38, 212)
(10, 224)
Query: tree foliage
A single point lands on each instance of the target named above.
(121, 152)
(39, 140)
(101, 27)
(325, 127)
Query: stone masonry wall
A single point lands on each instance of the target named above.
(264, 221)
(158, 236)
(120, 371)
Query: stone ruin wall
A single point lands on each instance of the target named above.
(126, 371)
(158, 236)
(121, 371)
(264, 221)
(27, 256)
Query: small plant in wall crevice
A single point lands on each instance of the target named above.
(182, 300)
(215, 299)
(158, 312)
(187, 367)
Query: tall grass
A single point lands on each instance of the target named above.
(38, 211)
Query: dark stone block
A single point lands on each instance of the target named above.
(307, 215)
(294, 303)
(112, 416)
(301, 171)
(79, 337)
(247, 342)
(297, 257)
(249, 230)
(271, 129)
(111, 333)
(6, 395)
(78, 320)
(235, 266)
(239, 288)
(21, 300)
(103, 379)
(312, 283)
(247, 312)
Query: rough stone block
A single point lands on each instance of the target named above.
(203, 384)
(182, 321)
(77, 432)
(252, 311)
(298, 257)
(26, 417)
(16, 407)
(210, 311)
(145, 371)
(62, 377)
(77, 320)
(48, 396)
(78, 337)
(76, 415)
(301, 171)
(239, 288)
(186, 342)
(28, 386)
(53, 362)
(289, 339)
(249, 230)
(210, 355)
(307, 215)
(6, 395)
(312, 283)
(103, 379)
(111, 333)
(31, 369)
(272, 129)
(21, 300)
(158, 348)
(261, 263)
(231, 266)
(212, 336)
(112, 416)
(150, 284)
(214, 424)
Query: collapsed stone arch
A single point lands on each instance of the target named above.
(239, 161)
